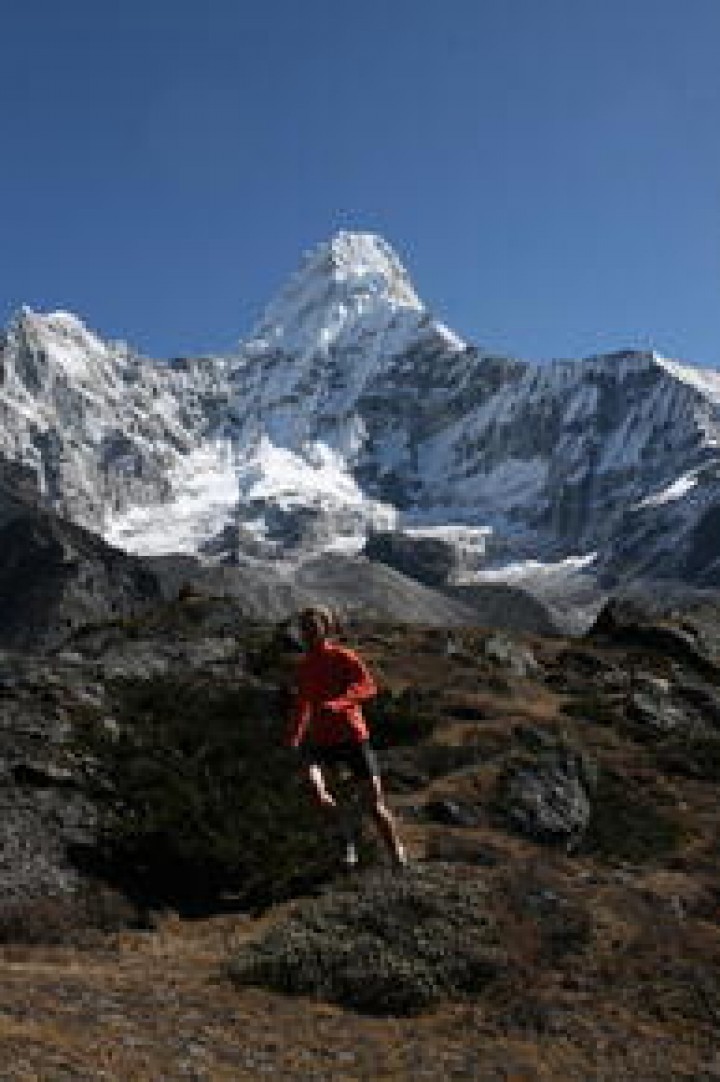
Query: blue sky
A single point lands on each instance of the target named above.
(549, 170)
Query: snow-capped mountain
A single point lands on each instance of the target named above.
(100, 429)
(351, 408)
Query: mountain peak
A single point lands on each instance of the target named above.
(53, 343)
(60, 325)
(364, 258)
(353, 276)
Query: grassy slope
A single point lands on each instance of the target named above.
(638, 1000)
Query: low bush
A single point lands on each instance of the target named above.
(197, 800)
(543, 924)
(68, 920)
(400, 718)
(407, 769)
(627, 824)
(391, 944)
(695, 755)
(593, 708)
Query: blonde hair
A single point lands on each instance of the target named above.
(318, 614)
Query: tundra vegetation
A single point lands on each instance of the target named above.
(173, 891)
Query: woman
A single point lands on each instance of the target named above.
(332, 682)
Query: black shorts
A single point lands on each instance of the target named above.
(359, 758)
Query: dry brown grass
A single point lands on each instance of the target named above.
(159, 1009)
(632, 1002)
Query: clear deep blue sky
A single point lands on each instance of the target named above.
(549, 170)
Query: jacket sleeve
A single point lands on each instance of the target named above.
(360, 684)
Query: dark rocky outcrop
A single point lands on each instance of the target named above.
(44, 814)
(360, 586)
(508, 607)
(516, 657)
(348, 584)
(259, 590)
(18, 490)
(435, 562)
(701, 560)
(632, 624)
(55, 577)
(38, 831)
(430, 560)
(548, 799)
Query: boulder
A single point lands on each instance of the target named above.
(548, 798)
(55, 577)
(39, 829)
(700, 697)
(629, 623)
(656, 712)
(514, 656)
(651, 704)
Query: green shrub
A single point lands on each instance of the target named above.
(627, 824)
(197, 799)
(399, 718)
(70, 919)
(388, 944)
(694, 755)
(593, 708)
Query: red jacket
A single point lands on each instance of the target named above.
(332, 681)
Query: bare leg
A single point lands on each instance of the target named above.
(341, 813)
(320, 791)
(385, 822)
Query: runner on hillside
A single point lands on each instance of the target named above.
(332, 682)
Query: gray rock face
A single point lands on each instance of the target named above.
(517, 658)
(260, 591)
(548, 799)
(630, 623)
(55, 576)
(36, 830)
(700, 561)
(436, 562)
(511, 608)
(18, 492)
(652, 706)
(350, 585)
(356, 586)
(43, 812)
